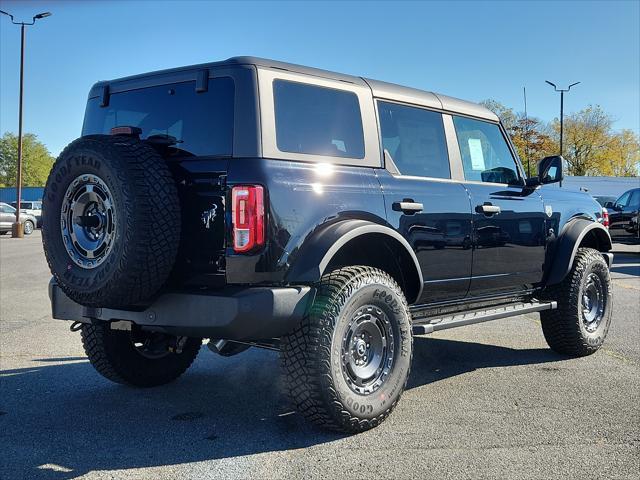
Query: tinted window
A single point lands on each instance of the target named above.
(317, 120)
(485, 154)
(624, 199)
(415, 139)
(201, 122)
(634, 201)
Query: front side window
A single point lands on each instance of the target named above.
(415, 140)
(201, 123)
(486, 156)
(634, 201)
(624, 199)
(317, 120)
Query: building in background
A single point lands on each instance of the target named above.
(8, 194)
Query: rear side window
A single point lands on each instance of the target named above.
(415, 139)
(317, 120)
(486, 157)
(202, 123)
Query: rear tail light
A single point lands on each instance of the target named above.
(247, 214)
(605, 217)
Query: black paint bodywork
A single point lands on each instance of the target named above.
(456, 253)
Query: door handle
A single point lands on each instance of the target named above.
(408, 206)
(488, 209)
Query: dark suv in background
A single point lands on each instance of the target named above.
(326, 216)
(623, 215)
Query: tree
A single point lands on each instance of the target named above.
(587, 136)
(506, 114)
(591, 147)
(529, 135)
(622, 155)
(36, 160)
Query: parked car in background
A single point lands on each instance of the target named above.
(31, 208)
(8, 216)
(604, 199)
(623, 214)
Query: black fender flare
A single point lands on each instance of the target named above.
(568, 243)
(318, 250)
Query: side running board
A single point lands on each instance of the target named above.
(433, 324)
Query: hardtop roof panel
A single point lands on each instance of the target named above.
(379, 88)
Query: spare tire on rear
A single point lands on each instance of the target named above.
(111, 221)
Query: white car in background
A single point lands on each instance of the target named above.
(8, 216)
(31, 208)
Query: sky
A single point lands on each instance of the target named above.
(471, 50)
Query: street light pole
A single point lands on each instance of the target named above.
(17, 229)
(561, 108)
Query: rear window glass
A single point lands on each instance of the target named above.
(202, 123)
(317, 120)
(415, 139)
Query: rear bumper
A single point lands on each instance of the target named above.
(234, 313)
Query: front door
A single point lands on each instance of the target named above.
(508, 219)
(624, 215)
(431, 211)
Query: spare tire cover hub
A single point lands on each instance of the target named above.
(87, 221)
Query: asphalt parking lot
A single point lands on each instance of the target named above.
(486, 401)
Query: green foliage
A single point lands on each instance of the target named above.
(529, 135)
(590, 147)
(36, 160)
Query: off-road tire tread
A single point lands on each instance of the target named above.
(151, 236)
(306, 352)
(97, 340)
(561, 327)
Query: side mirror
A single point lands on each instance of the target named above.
(550, 170)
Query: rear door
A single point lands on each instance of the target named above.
(508, 219)
(423, 203)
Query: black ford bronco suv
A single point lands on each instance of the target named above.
(329, 217)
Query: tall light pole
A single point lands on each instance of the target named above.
(561, 106)
(16, 230)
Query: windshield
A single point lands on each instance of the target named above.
(201, 123)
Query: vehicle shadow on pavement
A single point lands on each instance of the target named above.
(62, 421)
(435, 359)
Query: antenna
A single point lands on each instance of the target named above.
(526, 132)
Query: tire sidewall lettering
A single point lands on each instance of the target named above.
(383, 297)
